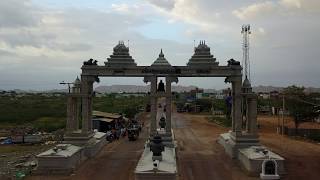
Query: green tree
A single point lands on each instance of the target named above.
(299, 105)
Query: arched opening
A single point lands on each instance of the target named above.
(270, 168)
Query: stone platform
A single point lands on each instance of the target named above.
(232, 145)
(65, 158)
(147, 169)
(249, 153)
(251, 159)
(62, 159)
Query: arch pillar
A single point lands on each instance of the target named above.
(87, 94)
(153, 103)
(169, 80)
(236, 114)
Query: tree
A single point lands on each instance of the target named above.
(299, 105)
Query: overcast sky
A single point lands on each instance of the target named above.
(43, 42)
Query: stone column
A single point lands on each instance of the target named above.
(70, 114)
(74, 114)
(77, 106)
(86, 92)
(252, 115)
(168, 105)
(169, 80)
(153, 103)
(247, 116)
(236, 105)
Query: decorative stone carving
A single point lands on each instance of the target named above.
(233, 62)
(157, 147)
(90, 62)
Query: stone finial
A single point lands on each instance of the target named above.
(161, 53)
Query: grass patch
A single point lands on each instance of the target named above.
(21, 110)
(19, 148)
(49, 124)
(220, 120)
(49, 113)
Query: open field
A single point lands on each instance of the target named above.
(49, 113)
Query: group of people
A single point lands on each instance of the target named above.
(120, 129)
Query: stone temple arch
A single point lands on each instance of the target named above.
(201, 64)
(121, 64)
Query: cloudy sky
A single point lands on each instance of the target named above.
(43, 42)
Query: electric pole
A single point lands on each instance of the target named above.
(67, 83)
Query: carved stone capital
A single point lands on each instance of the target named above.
(170, 79)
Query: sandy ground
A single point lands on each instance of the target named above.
(271, 122)
(302, 157)
(199, 154)
(200, 157)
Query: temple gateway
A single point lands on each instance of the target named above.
(158, 159)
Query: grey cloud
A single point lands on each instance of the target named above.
(4, 53)
(284, 55)
(25, 37)
(74, 47)
(164, 4)
(17, 13)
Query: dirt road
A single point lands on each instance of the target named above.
(116, 161)
(199, 155)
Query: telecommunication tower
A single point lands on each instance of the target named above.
(245, 46)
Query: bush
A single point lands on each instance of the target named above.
(314, 136)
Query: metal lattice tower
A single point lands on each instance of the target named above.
(245, 46)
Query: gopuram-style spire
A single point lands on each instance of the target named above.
(161, 61)
(120, 57)
(202, 56)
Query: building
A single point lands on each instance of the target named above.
(103, 121)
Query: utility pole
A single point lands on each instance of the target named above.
(245, 46)
(67, 83)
